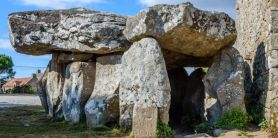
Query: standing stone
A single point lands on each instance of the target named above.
(78, 87)
(224, 84)
(42, 89)
(144, 81)
(54, 88)
(103, 106)
(183, 29)
(144, 122)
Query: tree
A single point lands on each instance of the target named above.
(6, 67)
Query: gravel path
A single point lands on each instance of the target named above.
(7, 101)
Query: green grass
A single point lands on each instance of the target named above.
(236, 118)
(13, 123)
(164, 131)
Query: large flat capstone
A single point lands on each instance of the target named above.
(183, 29)
(74, 30)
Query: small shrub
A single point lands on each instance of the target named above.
(235, 118)
(164, 131)
(205, 127)
(262, 124)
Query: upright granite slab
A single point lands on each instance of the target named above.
(42, 90)
(144, 81)
(54, 88)
(78, 87)
(103, 106)
(224, 84)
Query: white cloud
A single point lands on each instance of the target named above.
(5, 44)
(59, 4)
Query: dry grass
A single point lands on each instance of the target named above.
(30, 121)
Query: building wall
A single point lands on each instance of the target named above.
(257, 41)
(34, 84)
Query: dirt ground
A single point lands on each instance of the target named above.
(250, 134)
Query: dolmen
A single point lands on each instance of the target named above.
(113, 69)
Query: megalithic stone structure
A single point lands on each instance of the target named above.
(114, 68)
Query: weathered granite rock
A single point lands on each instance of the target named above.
(144, 81)
(78, 87)
(54, 88)
(103, 106)
(183, 28)
(144, 122)
(42, 90)
(224, 84)
(75, 30)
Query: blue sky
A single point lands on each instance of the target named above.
(124, 7)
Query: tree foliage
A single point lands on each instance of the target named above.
(6, 67)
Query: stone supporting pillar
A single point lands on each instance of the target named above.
(103, 106)
(224, 84)
(145, 84)
(78, 87)
(54, 87)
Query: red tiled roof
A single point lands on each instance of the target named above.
(19, 81)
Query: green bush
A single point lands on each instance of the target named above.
(235, 118)
(205, 127)
(164, 131)
(262, 124)
(23, 89)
